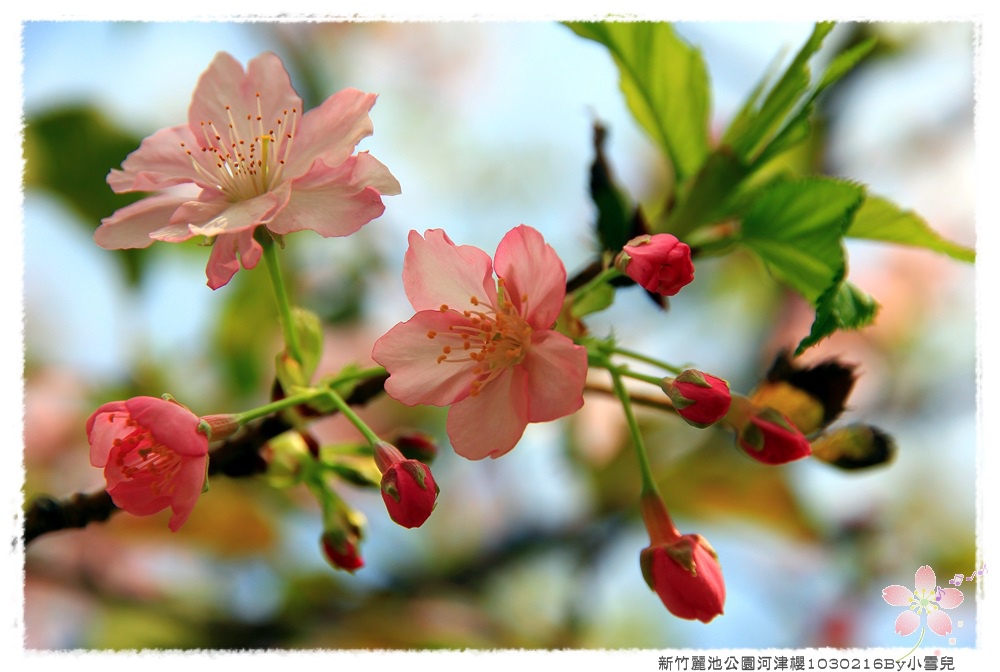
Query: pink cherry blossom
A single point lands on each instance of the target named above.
(249, 156)
(926, 597)
(486, 348)
(153, 456)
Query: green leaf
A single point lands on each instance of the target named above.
(597, 299)
(796, 227)
(310, 333)
(843, 306)
(290, 373)
(844, 63)
(750, 136)
(797, 128)
(881, 219)
(665, 83)
(707, 198)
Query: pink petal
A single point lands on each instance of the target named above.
(224, 83)
(335, 201)
(160, 162)
(411, 356)
(371, 172)
(136, 496)
(105, 425)
(331, 131)
(239, 215)
(557, 371)
(188, 483)
(132, 226)
(897, 596)
(491, 423)
(939, 622)
(171, 424)
(531, 267)
(952, 598)
(924, 579)
(223, 264)
(437, 272)
(906, 623)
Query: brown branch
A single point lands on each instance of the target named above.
(661, 403)
(237, 457)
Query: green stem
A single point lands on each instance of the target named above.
(281, 295)
(923, 631)
(349, 413)
(649, 360)
(655, 380)
(648, 484)
(312, 394)
(279, 405)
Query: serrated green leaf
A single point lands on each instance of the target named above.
(665, 83)
(796, 227)
(843, 306)
(881, 219)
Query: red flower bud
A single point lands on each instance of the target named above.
(771, 438)
(660, 263)
(700, 399)
(408, 487)
(341, 550)
(683, 570)
(687, 577)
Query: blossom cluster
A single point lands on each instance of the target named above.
(497, 340)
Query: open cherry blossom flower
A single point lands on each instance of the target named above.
(926, 597)
(152, 453)
(485, 348)
(249, 156)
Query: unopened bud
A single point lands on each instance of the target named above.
(771, 438)
(699, 398)
(659, 263)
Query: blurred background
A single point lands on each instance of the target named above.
(486, 126)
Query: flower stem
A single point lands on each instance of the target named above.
(655, 380)
(279, 405)
(923, 631)
(280, 294)
(649, 360)
(648, 484)
(349, 413)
